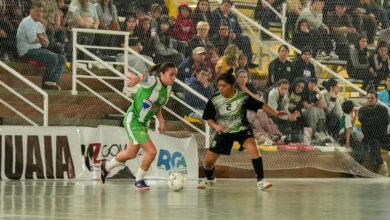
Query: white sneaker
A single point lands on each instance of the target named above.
(206, 182)
(383, 169)
(262, 185)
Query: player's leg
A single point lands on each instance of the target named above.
(257, 161)
(209, 169)
(150, 152)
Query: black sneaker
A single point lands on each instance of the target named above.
(103, 172)
(141, 185)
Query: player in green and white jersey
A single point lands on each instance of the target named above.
(149, 100)
(226, 114)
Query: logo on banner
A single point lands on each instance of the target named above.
(94, 150)
(171, 160)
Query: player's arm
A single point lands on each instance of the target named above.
(161, 121)
(209, 115)
(133, 79)
(254, 105)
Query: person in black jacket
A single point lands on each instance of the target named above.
(375, 120)
(302, 66)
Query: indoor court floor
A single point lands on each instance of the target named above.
(330, 198)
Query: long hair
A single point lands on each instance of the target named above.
(101, 2)
(84, 5)
(161, 68)
(228, 77)
(231, 54)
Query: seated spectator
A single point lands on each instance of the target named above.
(200, 83)
(314, 113)
(280, 67)
(192, 65)
(364, 20)
(374, 120)
(357, 65)
(295, 106)
(31, 43)
(144, 32)
(302, 66)
(294, 9)
(341, 29)
(202, 12)
(7, 38)
(264, 15)
(108, 17)
(211, 61)
(221, 40)
(305, 36)
(229, 60)
(348, 135)
(224, 13)
(49, 22)
(332, 106)
(166, 48)
(134, 43)
(379, 66)
(245, 85)
(313, 14)
(264, 129)
(384, 95)
(243, 61)
(201, 39)
(155, 15)
(184, 28)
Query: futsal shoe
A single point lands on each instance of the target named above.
(141, 185)
(103, 172)
(206, 182)
(262, 185)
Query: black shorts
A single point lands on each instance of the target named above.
(223, 143)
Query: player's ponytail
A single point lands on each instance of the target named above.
(228, 77)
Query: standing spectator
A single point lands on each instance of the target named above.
(357, 65)
(201, 39)
(184, 28)
(302, 66)
(202, 12)
(379, 66)
(280, 67)
(200, 83)
(31, 43)
(384, 95)
(332, 106)
(375, 120)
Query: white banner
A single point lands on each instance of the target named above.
(76, 153)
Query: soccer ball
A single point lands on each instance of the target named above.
(176, 181)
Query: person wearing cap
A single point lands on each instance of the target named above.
(184, 28)
(341, 29)
(224, 13)
(191, 65)
(302, 66)
(165, 47)
(314, 15)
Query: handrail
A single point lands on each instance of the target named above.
(242, 16)
(126, 51)
(44, 110)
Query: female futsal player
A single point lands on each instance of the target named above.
(149, 100)
(226, 114)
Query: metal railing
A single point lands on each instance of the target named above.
(120, 76)
(44, 110)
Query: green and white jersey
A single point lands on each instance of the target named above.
(151, 96)
(231, 112)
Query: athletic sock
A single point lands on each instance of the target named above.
(112, 164)
(140, 175)
(209, 173)
(258, 165)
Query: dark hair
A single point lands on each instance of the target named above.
(161, 67)
(302, 21)
(130, 16)
(285, 47)
(227, 77)
(347, 106)
(382, 44)
(330, 83)
(230, 2)
(295, 83)
(372, 92)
